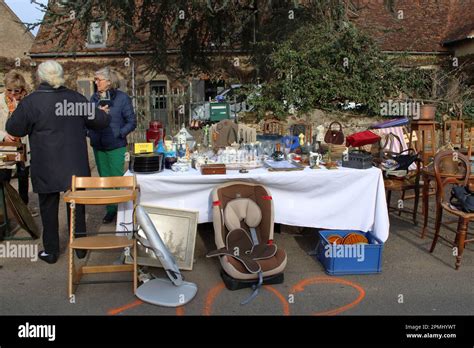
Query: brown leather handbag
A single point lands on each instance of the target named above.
(333, 136)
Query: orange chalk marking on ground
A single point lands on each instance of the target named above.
(284, 302)
(211, 296)
(216, 290)
(118, 310)
(299, 287)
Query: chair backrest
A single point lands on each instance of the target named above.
(445, 159)
(273, 126)
(228, 192)
(94, 182)
(456, 133)
(471, 143)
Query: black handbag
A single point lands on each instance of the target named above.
(462, 198)
(405, 160)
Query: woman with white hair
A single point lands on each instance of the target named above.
(58, 147)
(110, 144)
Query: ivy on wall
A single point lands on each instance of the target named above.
(326, 66)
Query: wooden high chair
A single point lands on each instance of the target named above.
(100, 191)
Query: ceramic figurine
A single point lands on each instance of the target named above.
(181, 136)
(187, 154)
(301, 137)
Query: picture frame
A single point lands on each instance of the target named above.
(97, 35)
(177, 228)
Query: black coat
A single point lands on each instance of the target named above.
(57, 135)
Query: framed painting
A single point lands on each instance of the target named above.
(177, 228)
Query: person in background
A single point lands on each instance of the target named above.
(58, 147)
(15, 91)
(110, 144)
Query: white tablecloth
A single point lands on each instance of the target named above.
(348, 199)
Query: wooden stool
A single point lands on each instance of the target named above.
(426, 139)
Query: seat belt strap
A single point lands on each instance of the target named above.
(255, 288)
(253, 232)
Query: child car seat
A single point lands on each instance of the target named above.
(243, 226)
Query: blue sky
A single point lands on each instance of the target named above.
(27, 11)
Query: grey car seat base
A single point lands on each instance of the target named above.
(163, 292)
(174, 292)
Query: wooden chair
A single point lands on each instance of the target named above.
(100, 191)
(273, 127)
(426, 139)
(455, 135)
(409, 182)
(460, 178)
(471, 144)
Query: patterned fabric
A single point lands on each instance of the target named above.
(399, 132)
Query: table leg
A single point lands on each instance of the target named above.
(426, 186)
(277, 228)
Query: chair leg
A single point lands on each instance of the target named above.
(389, 196)
(462, 231)
(71, 273)
(403, 200)
(415, 204)
(439, 215)
(135, 273)
(425, 207)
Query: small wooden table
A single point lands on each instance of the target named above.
(12, 153)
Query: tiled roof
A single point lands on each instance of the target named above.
(414, 25)
(397, 26)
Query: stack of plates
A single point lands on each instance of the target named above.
(146, 163)
(351, 238)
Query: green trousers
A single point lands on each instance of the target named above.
(110, 163)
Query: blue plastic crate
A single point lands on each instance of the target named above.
(350, 259)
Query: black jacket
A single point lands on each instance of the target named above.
(55, 121)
